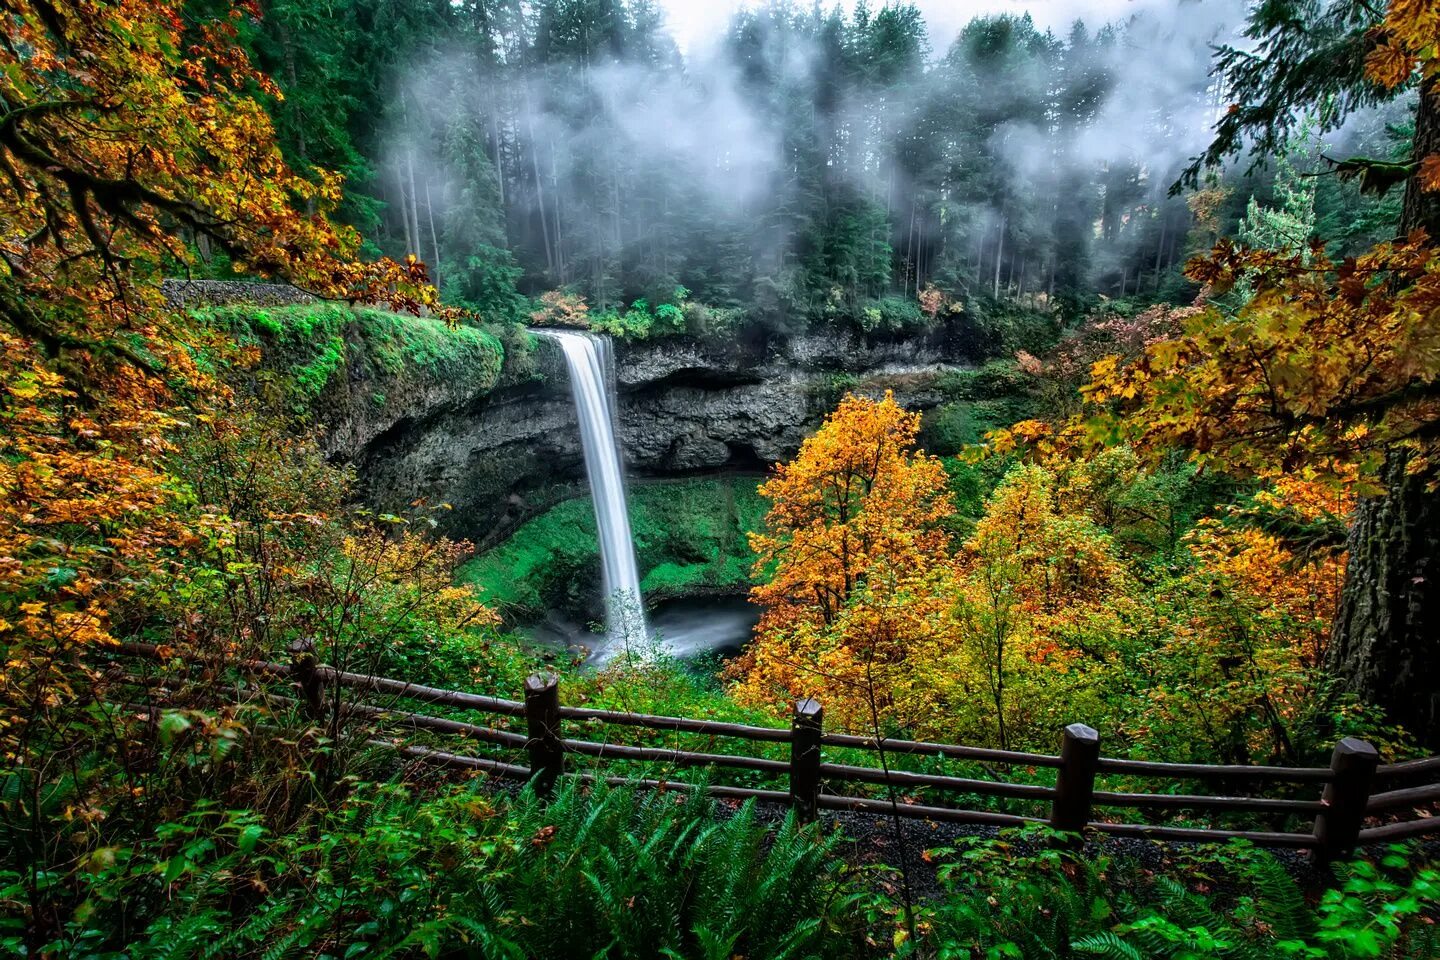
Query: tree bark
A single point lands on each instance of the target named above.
(534, 146)
(1387, 634)
(414, 211)
(434, 237)
(405, 211)
(1160, 246)
(999, 252)
(1422, 208)
(1387, 631)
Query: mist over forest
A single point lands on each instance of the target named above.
(809, 165)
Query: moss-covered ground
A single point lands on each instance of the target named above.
(314, 343)
(690, 538)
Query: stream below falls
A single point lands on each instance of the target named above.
(686, 629)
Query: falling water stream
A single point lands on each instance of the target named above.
(588, 360)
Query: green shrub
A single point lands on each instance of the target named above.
(640, 321)
(828, 391)
(704, 320)
(312, 343)
(599, 871)
(669, 319)
(1023, 896)
(892, 315)
(1003, 327)
(994, 380)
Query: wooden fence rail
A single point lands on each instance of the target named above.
(1337, 817)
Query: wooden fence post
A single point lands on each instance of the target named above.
(542, 715)
(1075, 786)
(805, 730)
(1337, 827)
(312, 687)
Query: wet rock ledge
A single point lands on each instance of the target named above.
(686, 407)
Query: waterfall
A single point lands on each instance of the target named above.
(588, 360)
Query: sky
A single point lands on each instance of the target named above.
(696, 23)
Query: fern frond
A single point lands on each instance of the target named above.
(1106, 946)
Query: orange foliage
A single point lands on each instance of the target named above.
(1327, 367)
(561, 309)
(931, 300)
(83, 512)
(1311, 374)
(1409, 38)
(128, 129)
(1036, 573)
(1300, 597)
(1053, 557)
(1241, 642)
(854, 544)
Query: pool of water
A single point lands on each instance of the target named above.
(687, 629)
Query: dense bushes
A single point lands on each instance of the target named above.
(390, 870)
(236, 839)
(993, 395)
(640, 321)
(1022, 897)
(985, 327)
(891, 315)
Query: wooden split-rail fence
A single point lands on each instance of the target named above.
(1356, 800)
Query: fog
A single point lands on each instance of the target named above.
(801, 151)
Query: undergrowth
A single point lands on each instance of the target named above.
(1026, 896)
(594, 872)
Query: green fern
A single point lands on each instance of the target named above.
(255, 930)
(1281, 903)
(1018, 898)
(1106, 946)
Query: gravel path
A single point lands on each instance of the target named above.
(869, 840)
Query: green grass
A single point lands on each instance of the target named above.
(313, 343)
(690, 538)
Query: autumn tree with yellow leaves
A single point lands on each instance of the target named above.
(141, 498)
(127, 129)
(1330, 372)
(867, 597)
(1038, 581)
(852, 554)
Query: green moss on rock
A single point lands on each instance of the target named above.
(690, 538)
(313, 343)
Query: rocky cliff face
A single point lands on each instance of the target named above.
(684, 407)
(426, 412)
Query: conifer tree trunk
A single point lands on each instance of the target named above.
(559, 231)
(413, 211)
(434, 236)
(534, 146)
(1387, 634)
(499, 153)
(999, 252)
(405, 211)
(1160, 247)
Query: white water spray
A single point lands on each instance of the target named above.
(591, 369)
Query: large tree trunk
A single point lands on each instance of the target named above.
(1387, 636)
(1422, 208)
(1387, 633)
